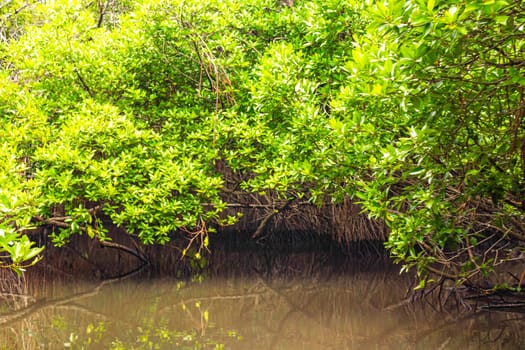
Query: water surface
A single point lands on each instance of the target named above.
(246, 301)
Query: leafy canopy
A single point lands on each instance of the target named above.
(131, 110)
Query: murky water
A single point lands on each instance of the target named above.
(247, 301)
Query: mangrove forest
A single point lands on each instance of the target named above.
(399, 124)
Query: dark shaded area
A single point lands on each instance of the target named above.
(86, 258)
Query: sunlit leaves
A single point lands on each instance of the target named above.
(442, 131)
(18, 250)
(410, 107)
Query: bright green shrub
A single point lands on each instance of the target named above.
(412, 108)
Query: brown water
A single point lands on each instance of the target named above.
(246, 301)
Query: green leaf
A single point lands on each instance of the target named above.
(502, 20)
(430, 5)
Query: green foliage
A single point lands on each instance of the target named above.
(130, 109)
(441, 83)
(129, 115)
(20, 250)
(16, 250)
(282, 133)
(114, 133)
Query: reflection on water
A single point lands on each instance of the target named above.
(246, 301)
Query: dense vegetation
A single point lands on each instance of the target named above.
(133, 109)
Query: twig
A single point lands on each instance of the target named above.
(102, 11)
(126, 249)
(83, 82)
(267, 218)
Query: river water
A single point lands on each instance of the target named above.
(246, 301)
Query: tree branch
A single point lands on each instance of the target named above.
(265, 221)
